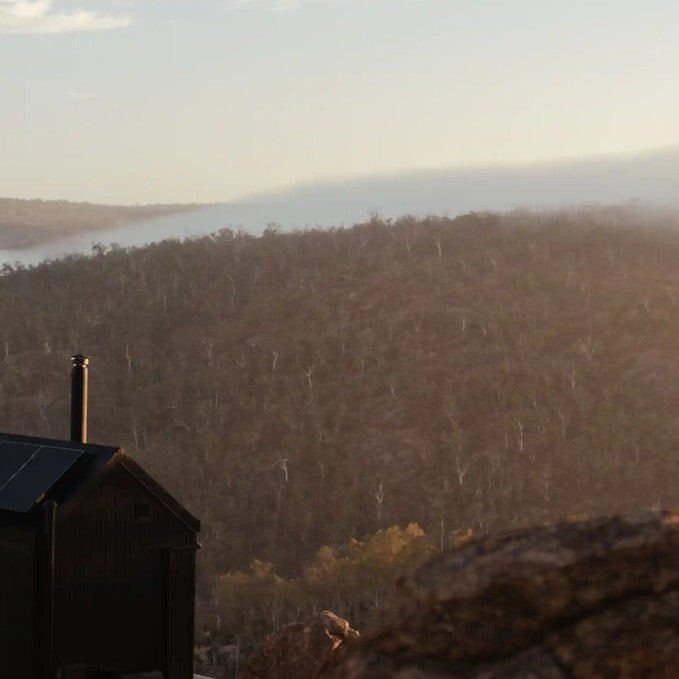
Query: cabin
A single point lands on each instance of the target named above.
(97, 561)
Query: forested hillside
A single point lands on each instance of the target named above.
(297, 390)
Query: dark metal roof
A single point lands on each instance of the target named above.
(33, 470)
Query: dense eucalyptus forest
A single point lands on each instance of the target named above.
(313, 389)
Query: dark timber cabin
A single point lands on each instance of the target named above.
(97, 561)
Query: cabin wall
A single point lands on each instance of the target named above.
(116, 582)
(181, 607)
(17, 599)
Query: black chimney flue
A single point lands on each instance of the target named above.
(79, 385)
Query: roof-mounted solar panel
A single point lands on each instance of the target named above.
(28, 471)
(12, 457)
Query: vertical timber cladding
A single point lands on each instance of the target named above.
(112, 590)
(18, 579)
(181, 611)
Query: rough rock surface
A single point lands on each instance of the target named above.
(301, 651)
(597, 598)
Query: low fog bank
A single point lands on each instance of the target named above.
(644, 185)
(631, 215)
(649, 178)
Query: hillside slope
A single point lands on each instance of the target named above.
(295, 390)
(30, 222)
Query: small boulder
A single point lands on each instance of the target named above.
(301, 651)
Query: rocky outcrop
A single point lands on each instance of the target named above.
(301, 651)
(591, 599)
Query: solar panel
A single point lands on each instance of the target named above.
(12, 456)
(27, 471)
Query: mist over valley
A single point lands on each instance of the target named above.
(648, 179)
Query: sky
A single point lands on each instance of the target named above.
(146, 101)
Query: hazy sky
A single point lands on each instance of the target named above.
(206, 100)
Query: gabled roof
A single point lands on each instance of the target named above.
(163, 495)
(34, 470)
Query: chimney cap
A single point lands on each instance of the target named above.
(80, 359)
